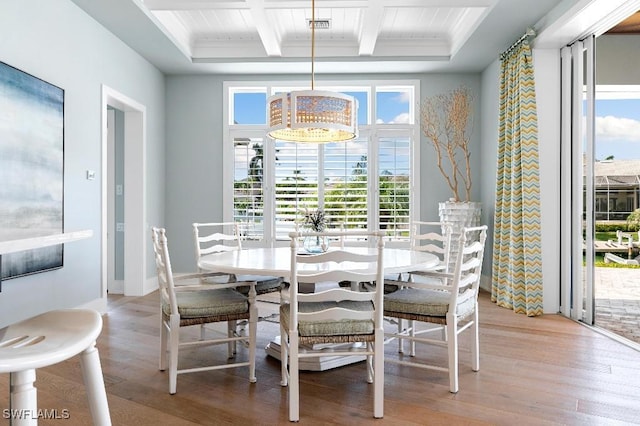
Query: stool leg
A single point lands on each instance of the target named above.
(24, 399)
(94, 384)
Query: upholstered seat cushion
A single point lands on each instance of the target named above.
(329, 328)
(434, 303)
(206, 303)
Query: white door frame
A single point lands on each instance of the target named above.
(134, 193)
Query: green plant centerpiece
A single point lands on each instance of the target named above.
(316, 221)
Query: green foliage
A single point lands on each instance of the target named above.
(616, 226)
(633, 220)
(316, 220)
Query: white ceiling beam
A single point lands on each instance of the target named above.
(371, 22)
(194, 4)
(288, 4)
(267, 33)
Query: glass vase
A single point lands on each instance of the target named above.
(315, 244)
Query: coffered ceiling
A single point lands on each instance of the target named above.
(274, 36)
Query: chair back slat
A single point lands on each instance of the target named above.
(331, 314)
(337, 295)
(432, 237)
(163, 268)
(468, 262)
(216, 237)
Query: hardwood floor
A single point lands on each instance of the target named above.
(534, 371)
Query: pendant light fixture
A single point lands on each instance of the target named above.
(313, 116)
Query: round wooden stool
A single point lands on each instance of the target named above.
(45, 340)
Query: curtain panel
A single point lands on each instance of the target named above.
(517, 260)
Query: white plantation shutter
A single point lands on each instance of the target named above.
(345, 169)
(248, 186)
(296, 184)
(394, 186)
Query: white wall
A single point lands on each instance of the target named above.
(547, 74)
(56, 41)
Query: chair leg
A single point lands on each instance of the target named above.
(164, 342)
(283, 356)
(370, 363)
(253, 331)
(378, 375)
(94, 384)
(452, 347)
(174, 342)
(24, 397)
(475, 342)
(400, 341)
(412, 341)
(231, 331)
(294, 380)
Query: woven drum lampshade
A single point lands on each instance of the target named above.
(314, 116)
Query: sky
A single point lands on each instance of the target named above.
(392, 107)
(618, 126)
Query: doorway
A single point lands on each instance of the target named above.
(132, 228)
(604, 183)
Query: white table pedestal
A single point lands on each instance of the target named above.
(317, 363)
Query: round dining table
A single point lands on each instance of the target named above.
(277, 261)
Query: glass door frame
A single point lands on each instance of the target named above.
(577, 178)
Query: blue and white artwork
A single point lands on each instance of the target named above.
(31, 169)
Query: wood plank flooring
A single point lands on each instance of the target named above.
(534, 371)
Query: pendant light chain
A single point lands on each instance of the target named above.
(313, 42)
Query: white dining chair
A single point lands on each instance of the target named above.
(430, 237)
(339, 315)
(183, 306)
(448, 299)
(216, 237)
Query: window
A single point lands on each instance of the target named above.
(361, 184)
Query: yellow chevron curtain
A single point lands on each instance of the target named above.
(517, 261)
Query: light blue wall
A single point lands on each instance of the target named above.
(194, 150)
(57, 42)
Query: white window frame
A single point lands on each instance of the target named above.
(372, 130)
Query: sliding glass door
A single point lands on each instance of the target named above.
(577, 193)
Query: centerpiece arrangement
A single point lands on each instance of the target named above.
(315, 221)
(447, 122)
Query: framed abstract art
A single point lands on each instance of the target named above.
(31, 169)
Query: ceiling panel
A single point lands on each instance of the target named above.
(264, 36)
